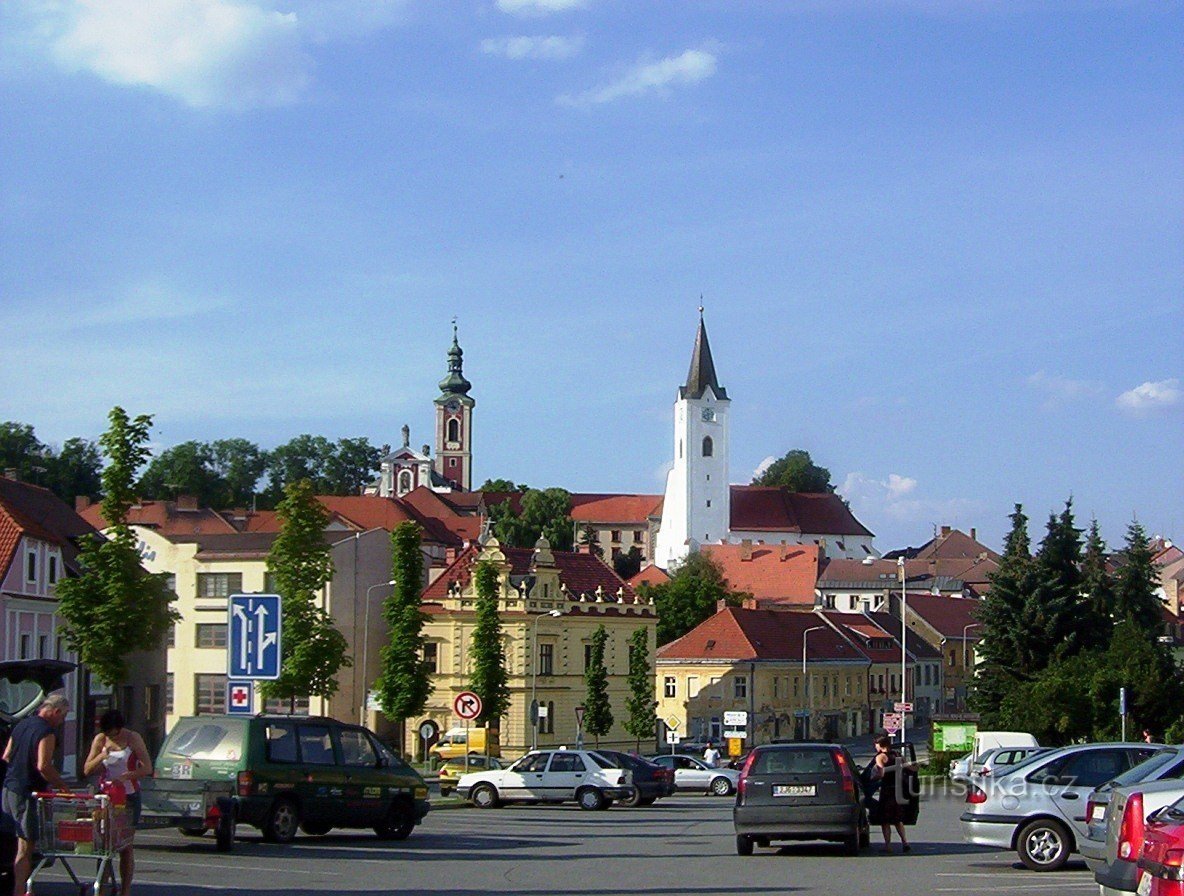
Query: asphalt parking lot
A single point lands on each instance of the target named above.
(683, 845)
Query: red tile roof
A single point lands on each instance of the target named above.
(765, 509)
(29, 510)
(772, 574)
(651, 575)
(166, 517)
(948, 616)
(624, 509)
(954, 544)
(738, 634)
(863, 630)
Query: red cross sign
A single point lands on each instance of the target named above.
(239, 696)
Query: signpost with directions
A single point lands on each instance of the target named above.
(253, 636)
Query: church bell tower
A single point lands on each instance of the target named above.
(454, 422)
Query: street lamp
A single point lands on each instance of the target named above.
(904, 631)
(534, 675)
(806, 680)
(366, 651)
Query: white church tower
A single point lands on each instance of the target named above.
(697, 508)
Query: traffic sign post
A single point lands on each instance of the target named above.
(253, 648)
(239, 697)
(902, 707)
(892, 722)
(468, 706)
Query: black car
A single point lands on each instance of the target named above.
(799, 792)
(650, 780)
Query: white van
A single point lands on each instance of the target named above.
(989, 740)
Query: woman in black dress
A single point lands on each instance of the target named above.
(889, 768)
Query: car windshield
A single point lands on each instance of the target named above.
(1022, 765)
(202, 739)
(1144, 770)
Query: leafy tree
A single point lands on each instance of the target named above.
(1136, 582)
(488, 678)
(114, 607)
(692, 594)
(545, 513)
(21, 450)
(405, 682)
(797, 472)
(501, 486)
(354, 464)
(1097, 588)
(598, 715)
(627, 564)
(641, 720)
(239, 464)
(75, 470)
(301, 564)
(588, 537)
(184, 469)
(304, 457)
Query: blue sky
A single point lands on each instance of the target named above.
(940, 244)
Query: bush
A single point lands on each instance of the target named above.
(939, 763)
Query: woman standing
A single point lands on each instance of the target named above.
(118, 754)
(888, 769)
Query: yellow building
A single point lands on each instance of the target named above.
(533, 585)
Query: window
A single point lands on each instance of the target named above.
(740, 687)
(431, 656)
(219, 584)
(152, 702)
(452, 461)
(567, 762)
(825, 687)
(708, 502)
(775, 680)
(269, 582)
(211, 634)
(639, 535)
(881, 684)
(53, 568)
(848, 686)
(536, 762)
(405, 481)
(171, 641)
(30, 566)
(692, 686)
(316, 747)
(708, 446)
(356, 749)
(587, 657)
(43, 647)
(286, 707)
(546, 659)
(953, 658)
(680, 449)
(60, 648)
(281, 742)
(454, 430)
(795, 685)
(168, 693)
(615, 535)
(547, 722)
(209, 694)
(26, 646)
(916, 675)
(670, 686)
(829, 601)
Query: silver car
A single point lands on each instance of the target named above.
(691, 774)
(1165, 764)
(1000, 760)
(1118, 874)
(1038, 808)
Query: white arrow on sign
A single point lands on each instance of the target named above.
(263, 639)
(243, 643)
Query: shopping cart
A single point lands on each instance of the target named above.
(75, 828)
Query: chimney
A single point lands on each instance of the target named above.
(450, 556)
(187, 502)
(973, 534)
(81, 502)
(746, 550)
(945, 530)
(584, 547)
(821, 548)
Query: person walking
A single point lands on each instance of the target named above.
(711, 755)
(1147, 736)
(118, 755)
(29, 755)
(888, 769)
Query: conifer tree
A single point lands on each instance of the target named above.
(405, 683)
(1097, 587)
(598, 715)
(488, 678)
(1135, 584)
(641, 720)
(1054, 626)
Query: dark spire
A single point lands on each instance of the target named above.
(702, 372)
(455, 383)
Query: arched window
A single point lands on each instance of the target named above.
(405, 482)
(708, 446)
(454, 430)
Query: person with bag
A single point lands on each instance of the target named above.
(119, 756)
(889, 775)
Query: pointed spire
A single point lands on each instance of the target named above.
(702, 372)
(455, 383)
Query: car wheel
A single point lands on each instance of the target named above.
(743, 845)
(634, 799)
(398, 824)
(852, 841)
(648, 801)
(721, 786)
(315, 829)
(590, 799)
(865, 831)
(1044, 845)
(484, 796)
(193, 832)
(224, 834)
(282, 822)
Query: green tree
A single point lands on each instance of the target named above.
(1097, 588)
(1054, 608)
(545, 513)
(114, 607)
(304, 457)
(1135, 584)
(75, 471)
(301, 564)
(588, 537)
(797, 472)
(641, 720)
(501, 486)
(627, 564)
(184, 469)
(353, 464)
(690, 596)
(405, 682)
(488, 678)
(22, 451)
(239, 464)
(598, 715)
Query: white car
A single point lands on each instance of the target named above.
(694, 774)
(960, 768)
(549, 776)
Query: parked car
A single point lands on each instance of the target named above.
(1162, 863)
(452, 770)
(799, 792)
(650, 780)
(1127, 815)
(1000, 760)
(1165, 764)
(457, 741)
(960, 768)
(694, 775)
(306, 773)
(1038, 808)
(994, 740)
(550, 776)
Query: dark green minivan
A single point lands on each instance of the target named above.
(293, 772)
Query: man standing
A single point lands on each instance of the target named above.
(711, 755)
(29, 755)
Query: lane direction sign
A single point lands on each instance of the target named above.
(253, 636)
(467, 705)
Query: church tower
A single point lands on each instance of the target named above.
(454, 423)
(697, 508)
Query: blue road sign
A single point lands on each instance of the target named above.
(253, 645)
(239, 697)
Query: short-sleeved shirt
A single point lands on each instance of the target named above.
(22, 775)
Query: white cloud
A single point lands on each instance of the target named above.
(537, 8)
(689, 67)
(1151, 397)
(899, 486)
(1059, 390)
(763, 465)
(894, 497)
(550, 47)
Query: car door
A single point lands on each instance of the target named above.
(566, 772)
(524, 780)
(691, 774)
(1078, 774)
(365, 802)
(322, 790)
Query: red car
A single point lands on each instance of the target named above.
(1163, 853)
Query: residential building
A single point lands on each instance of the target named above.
(618, 522)
(950, 624)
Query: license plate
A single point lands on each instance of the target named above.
(1144, 885)
(793, 790)
(183, 770)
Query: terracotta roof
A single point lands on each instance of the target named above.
(879, 574)
(917, 646)
(863, 630)
(367, 511)
(1168, 555)
(738, 634)
(166, 517)
(624, 509)
(772, 573)
(651, 575)
(948, 616)
(949, 574)
(581, 573)
(767, 509)
(36, 512)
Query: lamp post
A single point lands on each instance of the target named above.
(904, 630)
(366, 652)
(966, 668)
(806, 680)
(534, 675)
